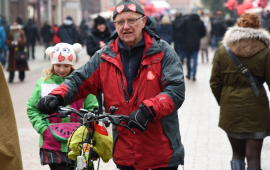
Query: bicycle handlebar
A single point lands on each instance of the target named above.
(88, 117)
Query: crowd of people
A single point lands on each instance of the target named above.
(147, 80)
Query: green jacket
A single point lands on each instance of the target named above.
(240, 109)
(43, 88)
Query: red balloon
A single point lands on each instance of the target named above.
(262, 3)
(241, 9)
(231, 4)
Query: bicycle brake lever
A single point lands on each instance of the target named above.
(127, 128)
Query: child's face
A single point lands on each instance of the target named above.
(62, 69)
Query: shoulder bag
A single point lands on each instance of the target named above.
(21, 55)
(254, 81)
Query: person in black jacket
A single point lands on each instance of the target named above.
(84, 31)
(95, 41)
(178, 35)
(47, 33)
(219, 27)
(194, 30)
(98, 37)
(67, 31)
(32, 35)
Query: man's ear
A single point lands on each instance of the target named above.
(144, 21)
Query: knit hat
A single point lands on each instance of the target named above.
(128, 5)
(63, 53)
(99, 20)
(69, 18)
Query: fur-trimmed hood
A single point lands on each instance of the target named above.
(246, 42)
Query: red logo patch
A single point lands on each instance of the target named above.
(70, 58)
(120, 8)
(61, 58)
(150, 75)
(132, 7)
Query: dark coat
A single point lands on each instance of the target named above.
(92, 41)
(178, 27)
(84, 29)
(31, 32)
(165, 32)
(240, 109)
(14, 64)
(194, 30)
(219, 27)
(47, 33)
(10, 152)
(68, 34)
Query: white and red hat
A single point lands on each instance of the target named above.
(63, 53)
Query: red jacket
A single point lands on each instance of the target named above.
(159, 83)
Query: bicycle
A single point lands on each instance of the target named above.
(88, 120)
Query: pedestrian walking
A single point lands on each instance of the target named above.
(95, 41)
(32, 36)
(194, 30)
(53, 150)
(3, 54)
(15, 41)
(55, 39)
(98, 37)
(67, 31)
(178, 30)
(10, 146)
(244, 106)
(47, 34)
(134, 72)
(218, 30)
(165, 29)
(84, 29)
(205, 41)
(19, 20)
(2, 43)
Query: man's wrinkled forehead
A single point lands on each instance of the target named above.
(127, 14)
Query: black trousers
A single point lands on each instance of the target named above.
(32, 45)
(12, 73)
(132, 168)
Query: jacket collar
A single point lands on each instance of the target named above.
(235, 34)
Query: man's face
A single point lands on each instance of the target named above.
(130, 34)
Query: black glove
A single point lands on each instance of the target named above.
(140, 118)
(48, 104)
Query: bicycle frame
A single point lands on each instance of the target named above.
(85, 160)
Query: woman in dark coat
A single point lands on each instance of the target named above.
(243, 116)
(95, 41)
(98, 37)
(165, 29)
(16, 40)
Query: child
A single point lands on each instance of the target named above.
(53, 151)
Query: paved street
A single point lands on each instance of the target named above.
(206, 145)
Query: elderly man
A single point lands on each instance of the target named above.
(142, 76)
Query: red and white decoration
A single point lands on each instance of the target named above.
(247, 4)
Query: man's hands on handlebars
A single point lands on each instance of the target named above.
(140, 118)
(48, 104)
